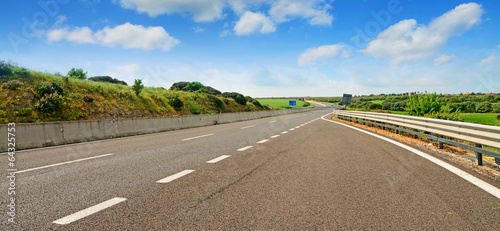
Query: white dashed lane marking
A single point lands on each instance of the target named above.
(89, 211)
(175, 176)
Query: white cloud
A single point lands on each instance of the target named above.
(202, 10)
(406, 41)
(224, 33)
(315, 11)
(126, 36)
(489, 60)
(443, 59)
(254, 22)
(310, 56)
(198, 29)
(317, 14)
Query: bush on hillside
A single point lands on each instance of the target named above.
(47, 89)
(107, 79)
(194, 86)
(5, 68)
(179, 86)
(239, 98)
(12, 85)
(138, 86)
(50, 103)
(211, 90)
(77, 73)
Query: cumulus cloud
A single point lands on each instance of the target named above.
(489, 60)
(310, 56)
(317, 14)
(202, 10)
(407, 41)
(250, 23)
(443, 59)
(315, 11)
(127, 36)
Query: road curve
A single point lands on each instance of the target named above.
(288, 172)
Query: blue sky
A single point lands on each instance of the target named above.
(264, 47)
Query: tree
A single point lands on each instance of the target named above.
(137, 86)
(77, 73)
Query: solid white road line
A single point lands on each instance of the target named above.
(89, 211)
(196, 137)
(68, 162)
(275, 136)
(274, 121)
(175, 176)
(218, 159)
(244, 148)
(285, 132)
(262, 141)
(251, 126)
(468, 177)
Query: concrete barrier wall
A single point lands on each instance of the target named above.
(50, 134)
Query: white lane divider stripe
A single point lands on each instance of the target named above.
(251, 126)
(274, 121)
(196, 137)
(244, 148)
(68, 162)
(262, 141)
(285, 132)
(291, 129)
(218, 159)
(466, 176)
(275, 136)
(175, 176)
(89, 211)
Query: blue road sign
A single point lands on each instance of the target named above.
(292, 103)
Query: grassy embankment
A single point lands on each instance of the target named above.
(28, 96)
(281, 104)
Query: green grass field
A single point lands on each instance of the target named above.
(279, 103)
(482, 118)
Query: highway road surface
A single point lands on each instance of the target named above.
(299, 171)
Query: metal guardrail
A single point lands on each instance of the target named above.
(480, 135)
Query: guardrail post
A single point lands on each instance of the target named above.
(440, 144)
(479, 156)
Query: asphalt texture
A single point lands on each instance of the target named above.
(320, 175)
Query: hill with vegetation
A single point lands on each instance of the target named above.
(28, 96)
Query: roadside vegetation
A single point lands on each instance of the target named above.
(28, 96)
(467, 107)
(281, 104)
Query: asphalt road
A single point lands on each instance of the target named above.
(289, 172)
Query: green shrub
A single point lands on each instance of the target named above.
(176, 102)
(496, 108)
(5, 68)
(21, 72)
(421, 104)
(179, 86)
(216, 102)
(88, 98)
(12, 85)
(107, 79)
(484, 107)
(77, 73)
(194, 107)
(195, 86)
(47, 89)
(138, 86)
(50, 103)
